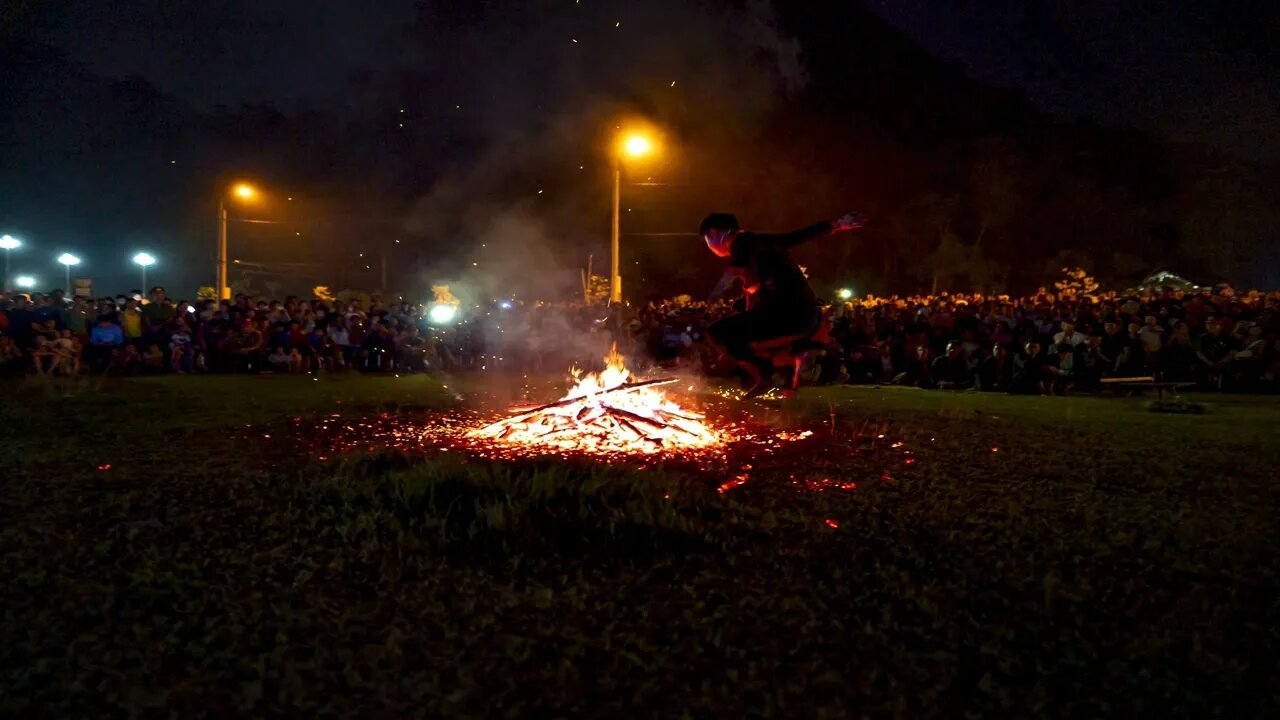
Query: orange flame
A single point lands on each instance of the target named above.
(603, 414)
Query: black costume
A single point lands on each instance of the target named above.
(779, 301)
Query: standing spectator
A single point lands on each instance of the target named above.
(131, 321)
(1215, 353)
(160, 309)
(1151, 335)
(1178, 361)
(341, 341)
(1111, 348)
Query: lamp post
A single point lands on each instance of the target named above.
(9, 243)
(633, 145)
(243, 191)
(144, 259)
(67, 260)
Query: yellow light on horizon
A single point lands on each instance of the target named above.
(637, 145)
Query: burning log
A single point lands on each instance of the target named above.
(629, 387)
(607, 412)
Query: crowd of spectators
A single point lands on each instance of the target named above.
(1041, 344)
(126, 335)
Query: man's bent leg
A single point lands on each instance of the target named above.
(735, 334)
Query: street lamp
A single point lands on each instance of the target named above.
(241, 191)
(26, 282)
(633, 145)
(67, 260)
(845, 294)
(9, 243)
(144, 259)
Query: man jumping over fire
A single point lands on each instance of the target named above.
(777, 301)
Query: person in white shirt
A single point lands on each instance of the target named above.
(1068, 335)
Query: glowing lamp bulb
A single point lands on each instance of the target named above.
(845, 293)
(637, 145)
(144, 259)
(244, 191)
(68, 259)
(9, 242)
(25, 281)
(441, 314)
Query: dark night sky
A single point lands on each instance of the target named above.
(1191, 70)
(1185, 70)
(227, 52)
(1188, 69)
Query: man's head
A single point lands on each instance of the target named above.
(1213, 325)
(157, 294)
(1111, 327)
(718, 230)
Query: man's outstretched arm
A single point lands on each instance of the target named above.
(850, 221)
(725, 284)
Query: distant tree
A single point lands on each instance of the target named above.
(346, 297)
(1075, 282)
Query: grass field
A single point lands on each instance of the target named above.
(174, 546)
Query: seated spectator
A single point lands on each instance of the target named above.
(181, 356)
(951, 371)
(69, 349)
(247, 347)
(45, 355)
(129, 359)
(278, 360)
(1062, 370)
(12, 360)
(104, 340)
(1029, 371)
(297, 364)
(995, 374)
(153, 359)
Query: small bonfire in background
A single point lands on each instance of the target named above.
(608, 412)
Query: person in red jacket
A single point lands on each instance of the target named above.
(777, 298)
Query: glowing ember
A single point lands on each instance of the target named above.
(608, 412)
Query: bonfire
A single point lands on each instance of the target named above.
(607, 412)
